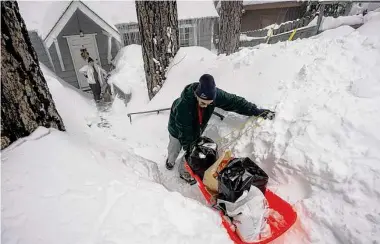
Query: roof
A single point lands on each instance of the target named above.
(264, 3)
(42, 16)
(49, 18)
(253, 2)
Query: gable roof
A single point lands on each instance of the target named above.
(57, 14)
(48, 17)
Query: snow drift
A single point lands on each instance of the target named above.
(331, 22)
(110, 185)
(129, 75)
(320, 152)
(65, 194)
(85, 186)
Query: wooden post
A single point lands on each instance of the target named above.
(320, 16)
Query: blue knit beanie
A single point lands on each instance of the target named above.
(206, 88)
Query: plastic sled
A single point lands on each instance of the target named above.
(289, 216)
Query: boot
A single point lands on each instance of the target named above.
(169, 166)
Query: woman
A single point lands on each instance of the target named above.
(94, 75)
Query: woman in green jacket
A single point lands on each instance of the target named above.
(191, 112)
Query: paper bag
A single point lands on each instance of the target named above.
(210, 179)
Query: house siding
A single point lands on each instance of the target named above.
(115, 48)
(260, 18)
(204, 31)
(40, 49)
(88, 26)
(69, 74)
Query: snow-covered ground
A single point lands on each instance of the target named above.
(86, 186)
(331, 22)
(358, 8)
(110, 185)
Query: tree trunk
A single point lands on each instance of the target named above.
(26, 102)
(230, 25)
(158, 27)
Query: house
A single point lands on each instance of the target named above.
(196, 19)
(258, 14)
(61, 30)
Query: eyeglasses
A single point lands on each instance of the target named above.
(203, 102)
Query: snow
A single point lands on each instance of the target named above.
(67, 187)
(336, 33)
(196, 9)
(253, 2)
(331, 22)
(75, 196)
(84, 110)
(358, 8)
(113, 12)
(314, 22)
(244, 37)
(110, 185)
(320, 152)
(129, 75)
(368, 29)
(49, 12)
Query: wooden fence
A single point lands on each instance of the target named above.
(303, 32)
(295, 29)
(290, 30)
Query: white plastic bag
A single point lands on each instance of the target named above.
(249, 214)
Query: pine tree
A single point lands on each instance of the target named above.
(230, 26)
(158, 27)
(26, 102)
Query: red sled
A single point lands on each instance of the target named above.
(289, 216)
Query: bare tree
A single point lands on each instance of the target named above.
(26, 102)
(158, 27)
(230, 25)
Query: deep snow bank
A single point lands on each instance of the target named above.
(56, 190)
(331, 22)
(129, 75)
(321, 152)
(66, 98)
(87, 186)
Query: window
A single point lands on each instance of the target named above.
(184, 36)
(187, 35)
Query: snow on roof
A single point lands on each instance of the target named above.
(196, 9)
(43, 15)
(252, 2)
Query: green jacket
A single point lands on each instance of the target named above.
(184, 123)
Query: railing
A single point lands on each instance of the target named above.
(164, 109)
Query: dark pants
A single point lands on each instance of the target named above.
(96, 90)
